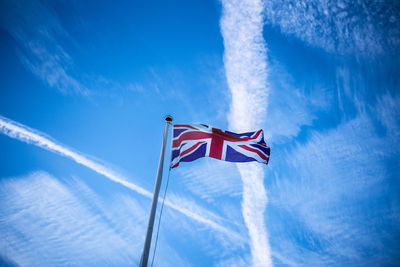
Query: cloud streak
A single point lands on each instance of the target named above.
(44, 222)
(40, 46)
(48, 222)
(46, 49)
(338, 191)
(28, 135)
(246, 70)
(360, 27)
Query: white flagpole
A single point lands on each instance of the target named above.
(146, 249)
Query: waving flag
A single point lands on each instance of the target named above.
(191, 142)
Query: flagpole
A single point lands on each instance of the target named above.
(146, 249)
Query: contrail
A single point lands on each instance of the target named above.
(31, 136)
(246, 71)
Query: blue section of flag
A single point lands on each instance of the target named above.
(240, 134)
(191, 142)
(264, 149)
(177, 132)
(198, 153)
(175, 153)
(234, 156)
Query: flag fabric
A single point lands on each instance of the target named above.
(191, 142)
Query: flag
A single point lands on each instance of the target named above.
(191, 142)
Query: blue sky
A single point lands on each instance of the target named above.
(84, 88)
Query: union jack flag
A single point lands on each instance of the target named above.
(191, 142)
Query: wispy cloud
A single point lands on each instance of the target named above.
(28, 135)
(336, 188)
(290, 107)
(211, 179)
(345, 27)
(47, 222)
(31, 136)
(330, 185)
(51, 69)
(39, 32)
(44, 223)
(45, 48)
(246, 70)
(386, 109)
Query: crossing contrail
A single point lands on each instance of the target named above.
(28, 135)
(245, 60)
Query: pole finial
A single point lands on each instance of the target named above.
(168, 118)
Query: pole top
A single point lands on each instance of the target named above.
(168, 118)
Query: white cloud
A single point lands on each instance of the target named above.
(38, 31)
(211, 179)
(51, 69)
(291, 106)
(331, 187)
(233, 262)
(45, 222)
(46, 49)
(246, 70)
(26, 134)
(344, 26)
(386, 110)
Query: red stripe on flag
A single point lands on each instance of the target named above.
(257, 134)
(255, 151)
(175, 165)
(191, 149)
(226, 136)
(216, 146)
(234, 138)
(185, 126)
(190, 136)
